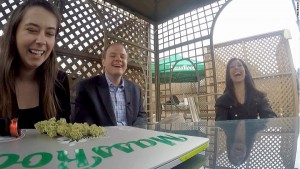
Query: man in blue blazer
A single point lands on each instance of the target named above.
(110, 99)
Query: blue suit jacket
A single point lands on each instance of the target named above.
(93, 103)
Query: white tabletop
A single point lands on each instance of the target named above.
(121, 147)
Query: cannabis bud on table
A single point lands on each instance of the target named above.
(76, 131)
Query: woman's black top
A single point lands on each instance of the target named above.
(256, 106)
(28, 117)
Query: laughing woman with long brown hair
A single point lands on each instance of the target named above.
(241, 99)
(32, 89)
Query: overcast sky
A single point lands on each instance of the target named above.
(244, 18)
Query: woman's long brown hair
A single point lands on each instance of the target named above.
(10, 60)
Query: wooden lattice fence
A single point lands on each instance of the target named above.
(269, 60)
(88, 26)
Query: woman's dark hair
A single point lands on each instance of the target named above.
(249, 83)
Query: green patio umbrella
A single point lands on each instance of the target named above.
(181, 69)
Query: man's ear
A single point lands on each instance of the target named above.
(102, 61)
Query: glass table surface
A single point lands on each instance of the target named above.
(256, 143)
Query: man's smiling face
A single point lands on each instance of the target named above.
(115, 60)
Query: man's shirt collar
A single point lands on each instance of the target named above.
(110, 84)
